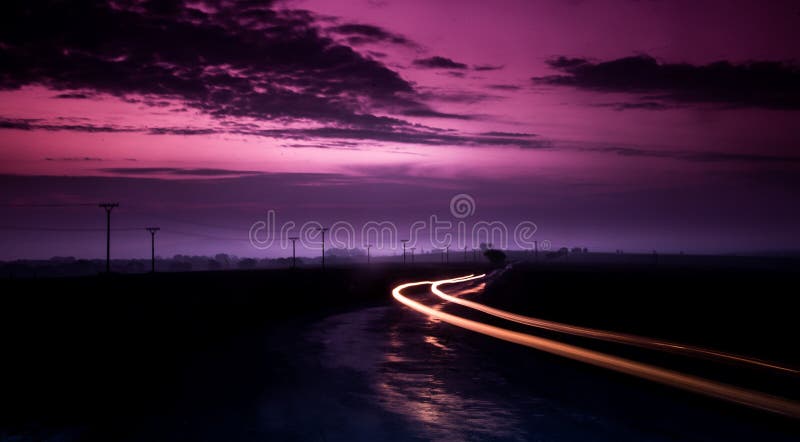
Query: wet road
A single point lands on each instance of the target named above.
(389, 373)
(656, 374)
(446, 383)
(475, 284)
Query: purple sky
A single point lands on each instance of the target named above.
(626, 124)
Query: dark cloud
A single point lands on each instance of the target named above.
(430, 113)
(507, 134)
(418, 135)
(178, 171)
(74, 159)
(361, 33)
(642, 105)
(41, 124)
(17, 123)
(225, 58)
(439, 63)
(765, 84)
(38, 124)
(700, 157)
(743, 157)
(487, 67)
(75, 96)
(504, 87)
(456, 96)
(330, 144)
(181, 131)
(405, 133)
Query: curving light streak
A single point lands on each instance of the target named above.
(668, 377)
(604, 335)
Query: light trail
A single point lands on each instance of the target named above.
(645, 371)
(604, 335)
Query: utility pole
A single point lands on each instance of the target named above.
(465, 253)
(536, 250)
(404, 241)
(108, 207)
(447, 254)
(412, 254)
(323, 230)
(369, 246)
(294, 239)
(153, 231)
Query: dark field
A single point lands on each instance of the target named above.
(97, 357)
(103, 352)
(738, 309)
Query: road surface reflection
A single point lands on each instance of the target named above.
(664, 376)
(604, 335)
(414, 372)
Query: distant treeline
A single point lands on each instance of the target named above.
(59, 266)
(69, 266)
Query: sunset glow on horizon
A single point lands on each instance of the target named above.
(615, 124)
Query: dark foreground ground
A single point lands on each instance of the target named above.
(97, 354)
(227, 356)
(736, 309)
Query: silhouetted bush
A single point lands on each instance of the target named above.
(247, 263)
(495, 256)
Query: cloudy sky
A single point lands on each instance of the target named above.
(669, 125)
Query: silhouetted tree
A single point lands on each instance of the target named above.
(495, 256)
(247, 263)
(223, 259)
(177, 266)
(213, 264)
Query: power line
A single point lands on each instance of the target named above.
(123, 229)
(66, 229)
(200, 235)
(194, 223)
(51, 205)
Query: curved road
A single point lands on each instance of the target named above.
(657, 374)
(622, 338)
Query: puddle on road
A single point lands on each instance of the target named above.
(429, 373)
(413, 371)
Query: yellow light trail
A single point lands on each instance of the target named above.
(604, 335)
(664, 376)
